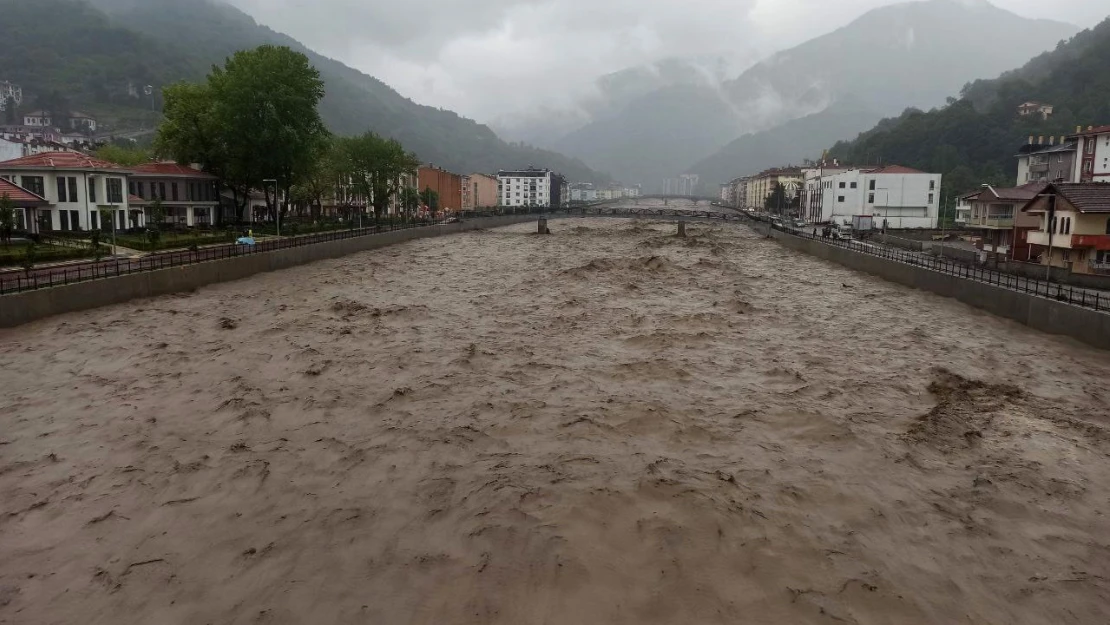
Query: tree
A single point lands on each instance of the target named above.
(156, 216)
(375, 166)
(11, 115)
(253, 119)
(325, 171)
(779, 200)
(430, 199)
(7, 219)
(120, 155)
(410, 200)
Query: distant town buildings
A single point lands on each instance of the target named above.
(1035, 108)
(530, 187)
(10, 92)
(760, 186)
(78, 121)
(685, 185)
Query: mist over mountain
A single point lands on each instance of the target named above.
(92, 50)
(905, 55)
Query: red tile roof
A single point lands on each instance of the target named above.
(134, 199)
(169, 169)
(19, 196)
(61, 160)
(1024, 193)
(895, 169)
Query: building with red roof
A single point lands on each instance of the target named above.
(1073, 225)
(188, 197)
(78, 189)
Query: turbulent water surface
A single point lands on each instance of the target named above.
(606, 425)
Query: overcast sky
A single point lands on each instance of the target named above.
(486, 58)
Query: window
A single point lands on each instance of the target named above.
(92, 190)
(1108, 226)
(72, 189)
(1052, 226)
(115, 190)
(932, 196)
(65, 218)
(1088, 167)
(842, 185)
(173, 191)
(854, 185)
(932, 185)
(870, 198)
(61, 190)
(75, 220)
(840, 198)
(1067, 225)
(161, 190)
(871, 186)
(1091, 147)
(1065, 255)
(131, 187)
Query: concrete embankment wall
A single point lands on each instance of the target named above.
(20, 308)
(1083, 324)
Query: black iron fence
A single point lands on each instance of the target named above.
(1086, 298)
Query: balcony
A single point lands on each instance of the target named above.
(1038, 237)
(1093, 241)
(1000, 222)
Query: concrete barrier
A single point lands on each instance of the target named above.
(19, 308)
(1083, 324)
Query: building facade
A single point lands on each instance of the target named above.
(480, 192)
(685, 185)
(1046, 162)
(1074, 226)
(449, 186)
(811, 202)
(24, 202)
(78, 189)
(188, 197)
(763, 184)
(896, 197)
(1092, 162)
(996, 215)
(9, 91)
(530, 187)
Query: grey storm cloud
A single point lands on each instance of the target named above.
(488, 58)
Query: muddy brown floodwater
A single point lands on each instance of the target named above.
(607, 425)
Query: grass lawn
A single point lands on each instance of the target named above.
(170, 240)
(14, 254)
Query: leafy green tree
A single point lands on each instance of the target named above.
(7, 219)
(323, 175)
(253, 119)
(30, 256)
(430, 199)
(778, 199)
(120, 155)
(156, 215)
(375, 166)
(410, 200)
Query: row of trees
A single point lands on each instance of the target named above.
(254, 123)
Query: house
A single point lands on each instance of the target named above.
(10, 149)
(1074, 228)
(188, 197)
(82, 122)
(77, 189)
(1035, 108)
(997, 216)
(448, 185)
(530, 187)
(24, 201)
(1046, 162)
(479, 192)
(38, 119)
(9, 91)
(895, 196)
(1092, 163)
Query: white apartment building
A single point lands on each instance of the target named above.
(78, 189)
(530, 187)
(8, 91)
(1092, 162)
(896, 196)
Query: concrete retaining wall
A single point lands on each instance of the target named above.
(20, 308)
(1083, 324)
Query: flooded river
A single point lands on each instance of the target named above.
(605, 425)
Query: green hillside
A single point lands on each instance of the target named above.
(973, 139)
(90, 52)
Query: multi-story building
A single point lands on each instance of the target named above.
(811, 202)
(685, 185)
(897, 197)
(1046, 162)
(8, 91)
(448, 185)
(188, 197)
(530, 187)
(479, 192)
(79, 121)
(583, 192)
(78, 189)
(763, 184)
(1074, 226)
(1035, 108)
(1092, 163)
(25, 202)
(997, 216)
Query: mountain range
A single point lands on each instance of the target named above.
(93, 50)
(913, 54)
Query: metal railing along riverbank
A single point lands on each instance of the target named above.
(1078, 296)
